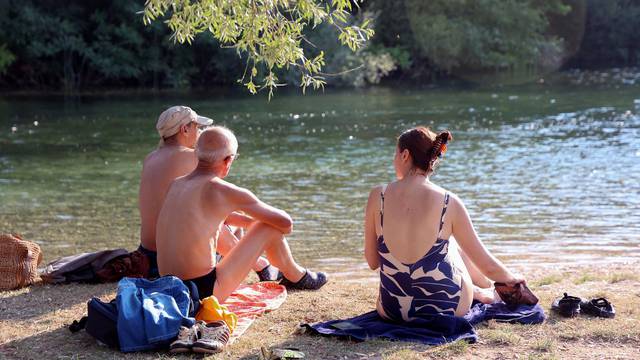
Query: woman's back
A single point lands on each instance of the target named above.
(407, 227)
(417, 274)
(412, 213)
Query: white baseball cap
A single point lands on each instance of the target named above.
(170, 121)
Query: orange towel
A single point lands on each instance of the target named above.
(250, 301)
(243, 306)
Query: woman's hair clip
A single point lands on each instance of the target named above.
(443, 150)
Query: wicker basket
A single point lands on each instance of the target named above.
(19, 261)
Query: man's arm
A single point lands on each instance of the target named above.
(248, 203)
(239, 220)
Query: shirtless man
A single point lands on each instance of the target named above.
(178, 127)
(193, 215)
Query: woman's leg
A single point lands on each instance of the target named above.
(477, 276)
(475, 286)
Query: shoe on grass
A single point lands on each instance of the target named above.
(599, 307)
(310, 281)
(212, 337)
(185, 340)
(567, 306)
(269, 273)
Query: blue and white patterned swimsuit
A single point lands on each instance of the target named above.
(428, 286)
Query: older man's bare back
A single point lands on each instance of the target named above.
(159, 169)
(192, 217)
(189, 225)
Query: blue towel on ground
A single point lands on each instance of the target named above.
(523, 314)
(434, 330)
(150, 313)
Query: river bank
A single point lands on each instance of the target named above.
(34, 320)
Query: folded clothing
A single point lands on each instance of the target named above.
(211, 310)
(434, 329)
(150, 313)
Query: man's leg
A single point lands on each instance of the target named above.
(236, 265)
(228, 240)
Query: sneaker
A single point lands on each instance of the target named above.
(185, 340)
(310, 281)
(567, 306)
(269, 273)
(600, 307)
(212, 337)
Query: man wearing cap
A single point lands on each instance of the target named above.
(179, 127)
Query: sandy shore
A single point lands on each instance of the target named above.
(33, 322)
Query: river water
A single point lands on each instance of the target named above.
(550, 175)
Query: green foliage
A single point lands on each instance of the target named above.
(72, 44)
(76, 44)
(6, 58)
(483, 33)
(612, 35)
(269, 32)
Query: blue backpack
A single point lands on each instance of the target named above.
(101, 321)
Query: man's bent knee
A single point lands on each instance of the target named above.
(266, 230)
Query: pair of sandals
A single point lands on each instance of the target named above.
(571, 306)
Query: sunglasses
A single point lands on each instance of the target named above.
(233, 156)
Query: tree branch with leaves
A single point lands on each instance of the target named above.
(268, 32)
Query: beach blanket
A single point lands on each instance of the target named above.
(434, 330)
(244, 305)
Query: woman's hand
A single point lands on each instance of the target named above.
(515, 280)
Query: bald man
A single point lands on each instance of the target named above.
(193, 215)
(179, 127)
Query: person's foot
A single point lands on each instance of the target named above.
(485, 296)
(310, 281)
(269, 273)
(212, 337)
(185, 340)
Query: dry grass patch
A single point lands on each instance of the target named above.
(548, 280)
(545, 345)
(454, 349)
(33, 325)
(622, 276)
(585, 278)
(500, 337)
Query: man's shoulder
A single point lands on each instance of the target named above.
(180, 152)
(227, 188)
(169, 157)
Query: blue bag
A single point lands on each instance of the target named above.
(102, 321)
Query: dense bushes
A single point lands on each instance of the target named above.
(74, 44)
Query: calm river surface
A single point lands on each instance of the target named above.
(550, 175)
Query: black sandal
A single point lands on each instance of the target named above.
(567, 306)
(310, 281)
(599, 307)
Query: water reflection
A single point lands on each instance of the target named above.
(550, 175)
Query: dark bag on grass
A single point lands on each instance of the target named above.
(102, 320)
(516, 295)
(79, 268)
(135, 264)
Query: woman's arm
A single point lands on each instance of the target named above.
(370, 236)
(465, 234)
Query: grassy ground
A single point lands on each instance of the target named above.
(33, 323)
